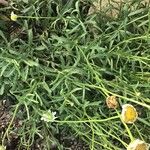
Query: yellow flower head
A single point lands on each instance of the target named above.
(13, 16)
(129, 113)
(137, 145)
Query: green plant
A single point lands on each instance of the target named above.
(68, 62)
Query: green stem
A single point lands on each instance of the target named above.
(9, 126)
(34, 17)
(126, 127)
(86, 121)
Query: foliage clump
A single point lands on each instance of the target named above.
(59, 61)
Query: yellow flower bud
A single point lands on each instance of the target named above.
(2, 148)
(13, 16)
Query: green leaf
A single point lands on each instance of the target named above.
(30, 36)
(31, 63)
(2, 89)
(40, 48)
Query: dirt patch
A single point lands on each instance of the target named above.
(5, 119)
(12, 141)
(111, 7)
(3, 2)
